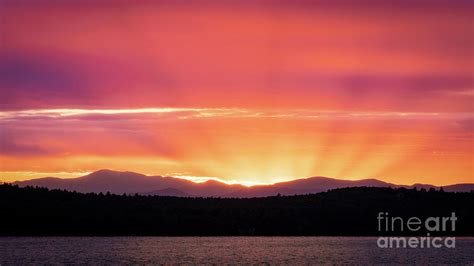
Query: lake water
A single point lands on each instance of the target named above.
(217, 250)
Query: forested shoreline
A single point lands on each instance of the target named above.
(341, 212)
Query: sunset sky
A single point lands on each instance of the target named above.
(251, 91)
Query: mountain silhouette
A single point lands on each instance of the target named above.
(131, 183)
(109, 181)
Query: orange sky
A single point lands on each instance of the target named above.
(248, 91)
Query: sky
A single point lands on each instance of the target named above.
(251, 92)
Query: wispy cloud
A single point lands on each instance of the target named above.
(194, 113)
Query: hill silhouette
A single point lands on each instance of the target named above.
(349, 211)
(130, 183)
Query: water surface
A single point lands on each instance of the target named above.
(217, 250)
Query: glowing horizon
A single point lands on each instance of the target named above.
(250, 92)
(195, 179)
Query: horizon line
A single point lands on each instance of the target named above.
(200, 179)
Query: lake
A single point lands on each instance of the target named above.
(217, 250)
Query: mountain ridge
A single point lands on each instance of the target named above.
(126, 182)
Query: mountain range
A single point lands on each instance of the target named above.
(131, 183)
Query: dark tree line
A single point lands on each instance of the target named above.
(350, 211)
